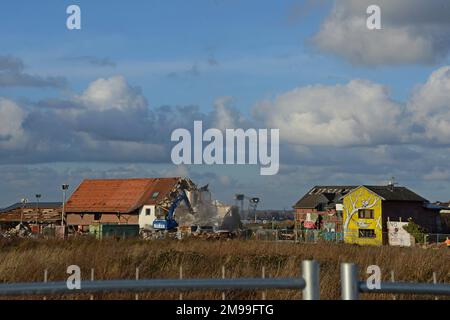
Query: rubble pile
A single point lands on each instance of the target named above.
(205, 211)
(20, 231)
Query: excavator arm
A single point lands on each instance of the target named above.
(169, 223)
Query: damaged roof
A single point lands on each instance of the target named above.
(46, 212)
(322, 195)
(119, 195)
(32, 205)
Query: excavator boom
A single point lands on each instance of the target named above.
(169, 223)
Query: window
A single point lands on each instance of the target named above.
(97, 216)
(148, 212)
(155, 195)
(365, 213)
(366, 233)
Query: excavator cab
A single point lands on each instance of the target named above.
(164, 224)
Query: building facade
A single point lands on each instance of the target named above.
(119, 201)
(30, 213)
(321, 208)
(367, 209)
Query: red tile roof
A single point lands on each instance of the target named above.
(118, 195)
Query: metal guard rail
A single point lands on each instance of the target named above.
(308, 282)
(151, 285)
(351, 286)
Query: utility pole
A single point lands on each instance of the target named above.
(64, 188)
(24, 203)
(254, 203)
(38, 196)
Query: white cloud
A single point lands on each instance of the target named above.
(413, 31)
(225, 117)
(430, 106)
(358, 113)
(112, 93)
(12, 134)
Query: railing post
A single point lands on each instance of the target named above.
(310, 272)
(349, 281)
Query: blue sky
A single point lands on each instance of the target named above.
(191, 54)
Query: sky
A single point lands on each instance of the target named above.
(353, 105)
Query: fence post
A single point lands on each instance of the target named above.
(310, 272)
(45, 280)
(394, 297)
(136, 297)
(181, 277)
(264, 293)
(223, 277)
(349, 281)
(91, 297)
(435, 282)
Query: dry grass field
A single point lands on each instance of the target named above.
(26, 260)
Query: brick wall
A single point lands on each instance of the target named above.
(76, 219)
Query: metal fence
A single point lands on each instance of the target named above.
(308, 283)
(351, 286)
(304, 236)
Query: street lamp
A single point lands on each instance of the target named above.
(38, 196)
(24, 203)
(64, 188)
(254, 203)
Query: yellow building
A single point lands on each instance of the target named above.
(367, 209)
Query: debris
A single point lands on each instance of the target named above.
(20, 231)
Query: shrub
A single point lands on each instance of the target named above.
(416, 231)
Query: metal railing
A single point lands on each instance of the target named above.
(351, 286)
(308, 283)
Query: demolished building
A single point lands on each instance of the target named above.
(140, 201)
(43, 213)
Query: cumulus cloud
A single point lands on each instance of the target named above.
(430, 107)
(358, 113)
(413, 31)
(112, 93)
(335, 133)
(109, 121)
(361, 113)
(12, 134)
(225, 115)
(350, 133)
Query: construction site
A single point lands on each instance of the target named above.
(150, 208)
(172, 228)
(178, 208)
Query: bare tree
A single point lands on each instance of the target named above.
(368, 203)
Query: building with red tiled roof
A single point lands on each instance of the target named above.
(123, 201)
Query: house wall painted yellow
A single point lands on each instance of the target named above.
(362, 198)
